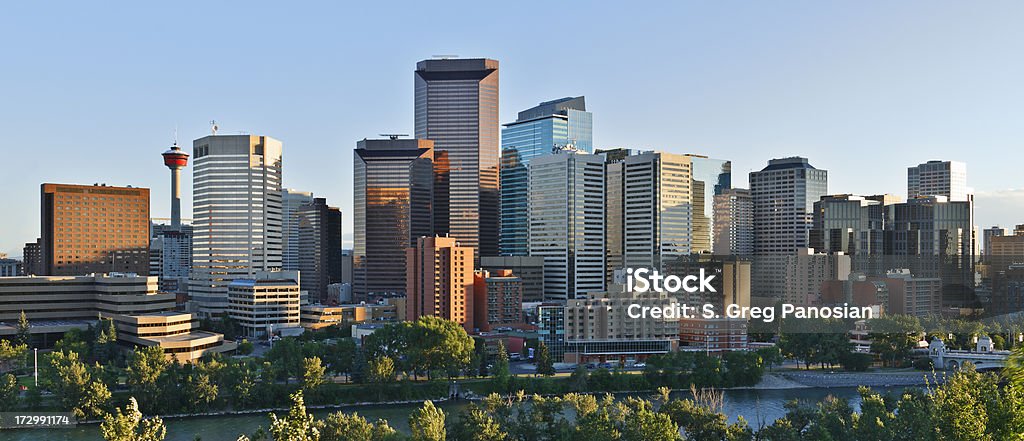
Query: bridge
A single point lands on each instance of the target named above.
(984, 357)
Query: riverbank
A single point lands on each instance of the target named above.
(881, 378)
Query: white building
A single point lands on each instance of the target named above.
(267, 303)
(566, 222)
(236, 214)
(938, 178)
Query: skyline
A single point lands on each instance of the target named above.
(745, 86)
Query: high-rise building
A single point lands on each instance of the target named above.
(566, 222)
(934, 237)
(709, 177)
(393, 183)
(807, 270)
(236, 214)
(784, 193)
(90, 229)
(32, 254)
(1006, 250)
(657, 208)
(497, 299)
(440, 280)
(319, 248)
(734, 223)
(292, 201)
(457, 109)
(938, 178)
(536, 132)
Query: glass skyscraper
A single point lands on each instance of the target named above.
(457, 109)
(537, 131)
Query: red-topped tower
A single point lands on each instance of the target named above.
(175, 159)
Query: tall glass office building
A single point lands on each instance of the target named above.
(537, 131)
(710, 177)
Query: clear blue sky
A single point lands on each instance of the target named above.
(92, 92)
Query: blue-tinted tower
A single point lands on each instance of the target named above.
(536, 131)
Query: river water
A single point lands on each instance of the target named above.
(754, 405)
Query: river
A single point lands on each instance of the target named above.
(753, 405)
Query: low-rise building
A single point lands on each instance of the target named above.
(497, 299)
(319, 316)
(266, 304)
(175, 332)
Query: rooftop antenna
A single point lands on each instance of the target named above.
(213, 127)
(393, 136)
(175, 133)
(445, 56)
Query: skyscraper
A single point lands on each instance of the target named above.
(236, 214)
(657, 219)
(457, 109)
(938, 178)
(536, 131)
(291, 201)
(734, 223)
(709, 177)
(393, 183)
(319, 248)
(93, 229)
(440, 281)
(172, 244)
(784, 193)
(566, 222)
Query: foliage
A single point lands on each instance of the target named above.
(297, 425)
(12, 355)
(145, 366)
(8, 393)
(130, 426)
(313, 373)
(894, 336)
(545, 365)
(73, 384)
(427, 423)
(23, 334)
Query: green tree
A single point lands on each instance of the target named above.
(73, 384)
(894, 336)
(313, 373)
(959, 412)
(339, 426)
(200, 392)
(545, 365)
(105, 347)
(500, 371)
(438, 345)
(130, 426)
(12, 355)
(427, 423)
(477, 425)
(145, 366)
(876, 422)
(298, 425)
(770, 356)
(8, 393)
(643, 424)
(23, 329)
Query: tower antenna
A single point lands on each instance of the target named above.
(213, 127)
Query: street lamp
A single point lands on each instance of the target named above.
(35, 370)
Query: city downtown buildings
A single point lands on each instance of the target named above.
(440, 280)
(237, 214)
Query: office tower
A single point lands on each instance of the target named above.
(536, 132)
(938, 178)
(440, 281)
(807, 270)
(987, 236)
(319, 248)
(848, 224)
(32, 253)
(734, 223)
(566, 219)
(94, 229)
(291, 201)
(657, 209)
(457, 109)
(171, 256)
(236, 214)
(497, 299)
(1006, 250)
(265, 303)
(783, 193)
(391, 209)
(709, 177)
(529, 269)
(614, 210)
(933, 237)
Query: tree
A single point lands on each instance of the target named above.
(73, 384)
(23, 329)
(105, 348)
(545, 366)
(380, 370)
(643, 424)
(876, 421)
(12, 355)
(200, 392)
(145, 366)
(427, 423)
(438, 345)
(477, 425)
(340, 426)
(893, 337)
(960, 413)
(8, 393)
(129, 425)
(500, 371)
(297, 425)
(770, 356)
(313, 373)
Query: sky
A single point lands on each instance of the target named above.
(93, 93)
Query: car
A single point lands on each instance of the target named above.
(640, 365)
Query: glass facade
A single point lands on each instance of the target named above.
(536, 132)
(710, 177)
